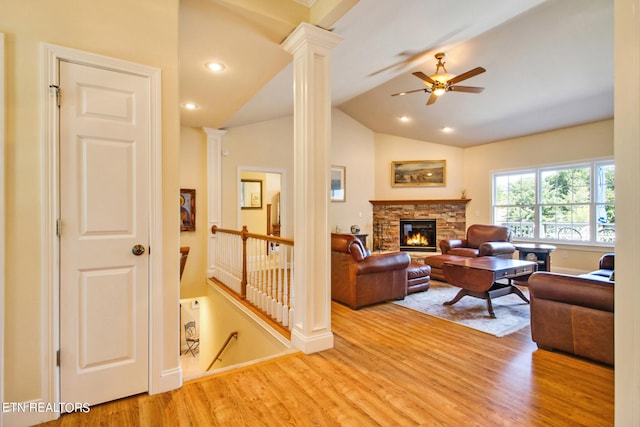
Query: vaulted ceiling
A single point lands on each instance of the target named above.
(549, 63)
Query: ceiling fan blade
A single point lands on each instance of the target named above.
(423, 76)
(467, 75)
(432, 99)
(469, 89)
(409, 91)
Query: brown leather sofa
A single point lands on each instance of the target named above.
(359, 278)
(606, 269)
(481, 240)
(573, 314)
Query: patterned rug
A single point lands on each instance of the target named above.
(512, 314)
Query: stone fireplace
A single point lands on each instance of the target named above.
(449, 215)
(418, 235)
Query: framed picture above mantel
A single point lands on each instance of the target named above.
(419, 173)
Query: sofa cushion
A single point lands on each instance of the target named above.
(603, 273)
(465, 252)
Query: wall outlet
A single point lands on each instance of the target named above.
(195, 304)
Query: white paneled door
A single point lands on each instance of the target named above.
(104, 233)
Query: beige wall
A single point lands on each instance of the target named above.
(389, 148)
(193, 174)
(144, 31)
(266, 146)
(587, 142)
(269, 145)
(471, 168)
(353, 147)
(368, 156)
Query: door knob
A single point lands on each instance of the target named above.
(137, 250)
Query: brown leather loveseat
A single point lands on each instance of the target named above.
(359, 278)
(481, 240)
(573, 314)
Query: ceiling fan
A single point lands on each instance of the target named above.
(441, 82)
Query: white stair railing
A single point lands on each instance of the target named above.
(258, 268)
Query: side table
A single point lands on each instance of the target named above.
(536, 252)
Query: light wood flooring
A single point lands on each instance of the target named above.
(390, 366)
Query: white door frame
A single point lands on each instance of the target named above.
(3, 202)
(283, 192)
(52, 55)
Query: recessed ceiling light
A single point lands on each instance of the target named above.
(190, 105)
(404, 119)
(447, 129)
(215, 66)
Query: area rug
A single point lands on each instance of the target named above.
(512, 314)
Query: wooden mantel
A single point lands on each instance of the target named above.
(419, 202)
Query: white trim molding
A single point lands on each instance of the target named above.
(159, 380)
(214, 190)
(2, 219)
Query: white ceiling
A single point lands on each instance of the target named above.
(549, 65)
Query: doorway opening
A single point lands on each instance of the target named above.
(261, 199)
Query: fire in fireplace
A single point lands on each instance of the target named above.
(418, 235)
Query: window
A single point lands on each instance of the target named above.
(571, 203)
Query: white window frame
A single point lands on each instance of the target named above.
(594, 201)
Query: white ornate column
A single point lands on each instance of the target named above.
(214, 189)
(310, 47)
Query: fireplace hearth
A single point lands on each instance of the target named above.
(418, 235)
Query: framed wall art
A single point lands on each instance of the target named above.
(418, 173)
(338, 183)
(251, 194)
(187, 209)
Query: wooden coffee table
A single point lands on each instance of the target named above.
(478, 277)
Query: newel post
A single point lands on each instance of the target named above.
(244, 234)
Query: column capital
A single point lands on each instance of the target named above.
(214, 132)
(307, 34)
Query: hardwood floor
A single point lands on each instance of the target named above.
(390, 366)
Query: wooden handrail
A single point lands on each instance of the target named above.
(233, 334)
(275, 239)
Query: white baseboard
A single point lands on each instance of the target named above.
(312, 344)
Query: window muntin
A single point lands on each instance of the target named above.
(572, 203)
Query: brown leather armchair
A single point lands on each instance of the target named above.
(481, 240)
(359, 278)
(573, 314)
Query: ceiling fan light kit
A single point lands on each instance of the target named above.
(441, 81)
